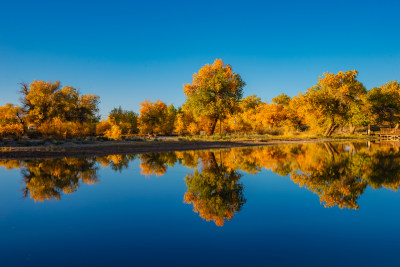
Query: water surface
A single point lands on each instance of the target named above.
(326, 204)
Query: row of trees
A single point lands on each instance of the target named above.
(47, 109)
(337, 100)
(214, 96)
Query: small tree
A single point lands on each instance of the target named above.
(114, 133)
(126, 120)
(11, 121)
(156, 118)
(281, 99)
(384, 103)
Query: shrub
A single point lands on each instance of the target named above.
(114, 133)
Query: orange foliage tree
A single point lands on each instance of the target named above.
(59, 111)
(383, 104)
(156, 118)
(126, 120)
(332, 101)
(214, 93)
(11, 121)
(244, 120)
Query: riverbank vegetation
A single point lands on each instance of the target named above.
(338, 104)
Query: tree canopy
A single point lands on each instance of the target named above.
(328, 104)
(156, 118)
(214, 93)
(43, 101)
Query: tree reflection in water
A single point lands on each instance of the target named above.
(338, 173)
(214, 190)
(46, 179)
(156, 163)
(116, 162)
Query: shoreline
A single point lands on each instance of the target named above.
(135, 147)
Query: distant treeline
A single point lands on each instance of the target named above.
(215, 97)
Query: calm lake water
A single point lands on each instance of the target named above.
(331, 204)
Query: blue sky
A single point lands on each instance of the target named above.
(127, 51)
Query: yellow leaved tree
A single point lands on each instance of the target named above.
(214, 93)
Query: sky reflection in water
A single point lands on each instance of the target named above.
(336, 203)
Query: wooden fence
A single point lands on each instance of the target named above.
(389, 133)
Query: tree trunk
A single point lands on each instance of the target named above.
(220, 128)
(352, 128)
(331, 128)
(328, 130)
(210, 125)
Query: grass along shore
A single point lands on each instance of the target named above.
(22, 149)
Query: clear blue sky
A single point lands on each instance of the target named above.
(127, 51)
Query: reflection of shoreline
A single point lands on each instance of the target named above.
(338, 173)
(126, 147)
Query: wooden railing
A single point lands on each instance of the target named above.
(389, 131)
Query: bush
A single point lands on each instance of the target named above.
(114, 133)
(102, 127)
(12, 130)
(273, 131)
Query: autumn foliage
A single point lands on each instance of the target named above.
(156, 118)
(11, 121)
(214, 93)
(214, 97)
(53, 111)
(119, 122)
